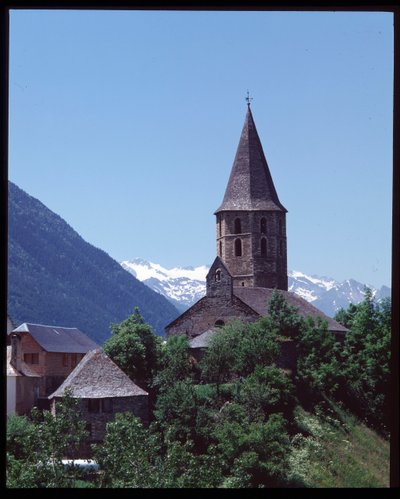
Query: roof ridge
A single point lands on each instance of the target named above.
(46, 325)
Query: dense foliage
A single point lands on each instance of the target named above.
(37, 445)
(134, 348)
(55, 277)
(366, 360)
(234, 419)
(238, 348)
(318, 361)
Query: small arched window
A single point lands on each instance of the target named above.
(238, 226)
(263, 246)
(217, 275)
(219, 323)
(263, 226)
(220, 248)
(238, 247)
(281, 248)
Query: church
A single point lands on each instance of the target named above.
(251, 259)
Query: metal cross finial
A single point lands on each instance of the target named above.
(248, 99)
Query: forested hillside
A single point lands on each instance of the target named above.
(57, 278)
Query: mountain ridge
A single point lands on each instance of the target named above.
(55, 277)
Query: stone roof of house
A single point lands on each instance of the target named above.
(58, 339)
(97, 376)
(258, 299)
(250, 185)
(202, 340)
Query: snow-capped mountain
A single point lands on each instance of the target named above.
(181, 286)
(327, 294)
(184, 286)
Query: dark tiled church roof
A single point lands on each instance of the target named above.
(250, 185)
(58, 339)
(258, 299)
(97, 376)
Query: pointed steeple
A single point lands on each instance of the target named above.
(250, 186)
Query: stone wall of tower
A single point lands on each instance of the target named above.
(262, 259)
(270, 268)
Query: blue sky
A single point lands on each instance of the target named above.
(126, 123)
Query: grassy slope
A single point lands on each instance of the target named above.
(336, 450)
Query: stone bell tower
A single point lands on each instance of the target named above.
(251, 221)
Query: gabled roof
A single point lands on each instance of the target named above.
(217, 263)
(250, 185)
(97, 376)
(58, 339)
(258, 299)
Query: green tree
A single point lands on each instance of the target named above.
(254, 453)
(366, 357)
(257, 346)
(128, 453)
(176, 410)
(318, 356)
(238, 348)
(135, 457)
(284, 317)
(134, 348)
(219, 362)
(36, 447)
(346, 316)
(176, 363)
(266, 391)
(181, 467)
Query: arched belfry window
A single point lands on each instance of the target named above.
(281, 248)
(220, 248)
(217, 275)
(263, 246)
(238, 226)
(238, 247)
(263, 226)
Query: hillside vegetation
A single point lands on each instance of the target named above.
(234, 419)
(57, 278)
(338, 451)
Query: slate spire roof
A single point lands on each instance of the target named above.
(250, 185)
